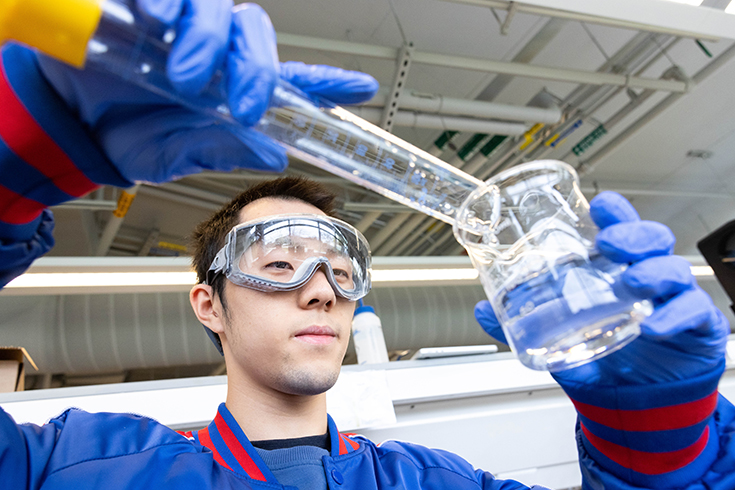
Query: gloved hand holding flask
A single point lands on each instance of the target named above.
(686, 335)
(649, 412)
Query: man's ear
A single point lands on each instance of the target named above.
(207, 308)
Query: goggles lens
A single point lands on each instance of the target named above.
(283, 252)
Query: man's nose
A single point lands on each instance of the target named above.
(317, 292)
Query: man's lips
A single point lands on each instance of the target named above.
(316, 335)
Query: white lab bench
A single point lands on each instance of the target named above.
(491, 410)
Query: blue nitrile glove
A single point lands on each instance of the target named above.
(150, 139)
(686, 335)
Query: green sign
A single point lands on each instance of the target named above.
(589, 140)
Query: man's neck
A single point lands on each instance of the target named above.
(266, 415)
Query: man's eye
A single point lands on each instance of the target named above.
(279, 264)
(341, 273)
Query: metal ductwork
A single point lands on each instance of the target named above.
(438, 121)
(438, 104)
(102, 333)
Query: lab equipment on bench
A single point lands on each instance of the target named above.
(527, 230)
(367, 333)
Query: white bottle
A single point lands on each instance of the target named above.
(367, 333)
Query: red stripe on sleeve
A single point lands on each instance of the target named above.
(238, 451)
(22, 134)
(652, 419)
(16, 209)
(649, 463)
(207, 442)
(342, 446)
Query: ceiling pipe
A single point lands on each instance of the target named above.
(383, 207)
(478, 164)
(439, 243)
(657, 192)
(388, 230)
(118, 215)
(632, 50)
(481, 65)
(637, 48)
(438, 104)
(159, 193)
(564, 11)
(587, 166)
(412, 248)
(420, 120)
(88, 204)
(603, 99)
(367, 220)
(400, 235)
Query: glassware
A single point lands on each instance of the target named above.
(559, 302)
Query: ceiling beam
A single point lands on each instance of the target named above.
(438, 104)
(642, 15)
(88, 204)
(482, 65)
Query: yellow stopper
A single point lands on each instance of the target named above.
(58, 28)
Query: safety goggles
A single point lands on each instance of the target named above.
(282, 252)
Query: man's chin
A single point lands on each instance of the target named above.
(308, 383)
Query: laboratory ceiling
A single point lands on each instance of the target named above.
(670, 152)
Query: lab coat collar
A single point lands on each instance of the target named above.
(233, 450)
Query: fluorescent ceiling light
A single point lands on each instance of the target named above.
(696, 3)
(69, 281)
(410, 275)
(730, 8)
(101, 279)
(132, 279)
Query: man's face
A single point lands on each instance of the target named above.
(289, 341)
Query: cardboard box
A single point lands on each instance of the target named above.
(12, 368)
